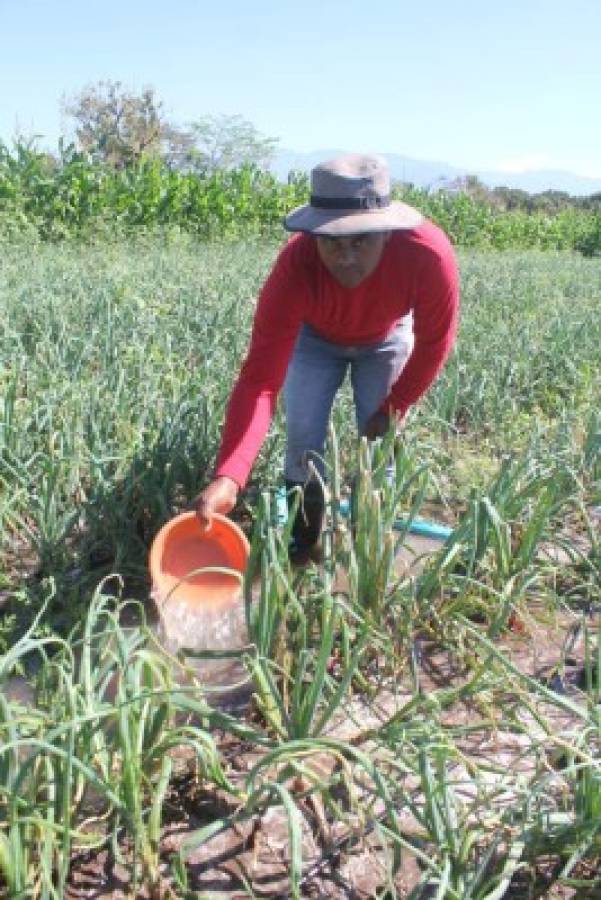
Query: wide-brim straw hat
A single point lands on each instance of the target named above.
(351, 195)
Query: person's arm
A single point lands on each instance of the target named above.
(435, 318)
(252, 402)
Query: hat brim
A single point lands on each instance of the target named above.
(333, 223)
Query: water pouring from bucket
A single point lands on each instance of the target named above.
(197, 576)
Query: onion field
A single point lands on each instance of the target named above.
(416, 731)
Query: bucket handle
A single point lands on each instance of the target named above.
(202, 570)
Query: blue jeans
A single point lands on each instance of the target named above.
(317, 370)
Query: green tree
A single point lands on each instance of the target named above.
(512, 198)
(474, 188)
(551, 201)
(117, 126)
(226, 142)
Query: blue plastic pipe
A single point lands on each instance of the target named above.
(415, 526)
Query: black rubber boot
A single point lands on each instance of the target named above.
(308, 522)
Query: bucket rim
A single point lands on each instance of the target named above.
(160, 540)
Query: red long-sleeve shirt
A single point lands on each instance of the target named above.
(417, 271)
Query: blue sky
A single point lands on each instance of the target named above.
(512, 86)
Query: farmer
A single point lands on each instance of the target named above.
(365, 284)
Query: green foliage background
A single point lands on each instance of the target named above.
(49, 198)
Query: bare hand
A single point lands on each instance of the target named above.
(219, 496)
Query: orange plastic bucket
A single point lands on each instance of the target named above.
(182, 547)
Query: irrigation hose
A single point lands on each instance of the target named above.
(416, 525)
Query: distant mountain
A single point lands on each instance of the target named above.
(429, 174)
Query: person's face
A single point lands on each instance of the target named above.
(351, 259)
